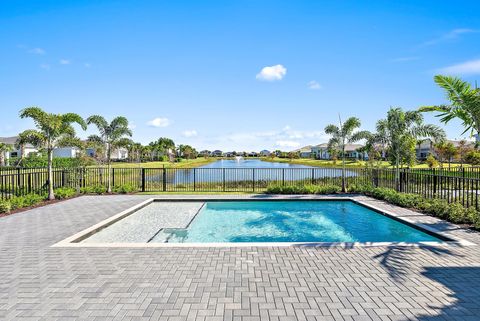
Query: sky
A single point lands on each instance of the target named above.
(232, 75)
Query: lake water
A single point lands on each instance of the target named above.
(249, 170)
(250, 163)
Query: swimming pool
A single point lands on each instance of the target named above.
(258, 221)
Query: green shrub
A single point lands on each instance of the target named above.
(64, 192)
(98, 189)
(25, 201)
(431, 161)
(5, 206)
(473, 157)
(124, 189)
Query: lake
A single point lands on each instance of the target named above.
(228, 170)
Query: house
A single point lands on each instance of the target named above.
(17, 152)
(427, 147)
(252, 154)
(217, 153)
(265, 153)
(320, 151)
(351, 151)
(66, 152)
(117, 154)
(304, 152)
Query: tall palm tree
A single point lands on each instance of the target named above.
(52, 130)
(345, 134)
(111, 135)
(464, 103)
(400, 131)
(4, 149)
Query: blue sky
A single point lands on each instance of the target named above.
(195, 70)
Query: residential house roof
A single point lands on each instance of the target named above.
(12, 140)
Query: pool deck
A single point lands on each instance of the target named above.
(303, 282)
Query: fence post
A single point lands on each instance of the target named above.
(29, 187)
(143, 179)
(164, 179)
(63, 178)
(283, 176)
(113, 176)
(435, 179)
(223, 179)
(313, 176)
(194, 179)
(253, 179)
(19, 184)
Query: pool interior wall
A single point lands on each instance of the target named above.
(234, 221)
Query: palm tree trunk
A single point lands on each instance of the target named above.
(397, 172)
(343, 169)
(109, 169)
(51, 195)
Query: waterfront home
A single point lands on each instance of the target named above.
(304, 152)
(16, 151)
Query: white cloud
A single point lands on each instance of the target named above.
(272, 73)
(287, 143)
(132, 126)
(314, 85)
(159, 122)
(45, 66)
(37, 51)
(453, 34)
(471, 67)
(190, 133)
(64, 62)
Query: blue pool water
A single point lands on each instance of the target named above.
(293, 221)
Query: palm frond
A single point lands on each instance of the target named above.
(31, 136)
(74, 118)
(99, 122)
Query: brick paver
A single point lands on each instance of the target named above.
(40, 282)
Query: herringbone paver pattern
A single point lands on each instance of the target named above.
(38, 282)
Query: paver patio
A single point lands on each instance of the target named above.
(40, 282)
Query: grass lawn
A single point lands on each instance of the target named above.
(184, 163)
(329, 163)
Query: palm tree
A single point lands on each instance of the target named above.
(111, 136)
(400, 131)
(342, 135)
(52, 130)
(464, 103)
(4, 149)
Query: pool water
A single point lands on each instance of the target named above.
(291, 221)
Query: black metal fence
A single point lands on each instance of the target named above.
(430, 184)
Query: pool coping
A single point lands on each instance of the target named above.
(446, 237)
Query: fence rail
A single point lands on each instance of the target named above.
(442, 184)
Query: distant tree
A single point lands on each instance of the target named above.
(344, 134)
(445, 151)
(400, 131)
(111, 135)
(4, 149)
(462, 149)
(187, 151)
(431, 161)
(52, 130)
(161, 146)
(464, 103)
